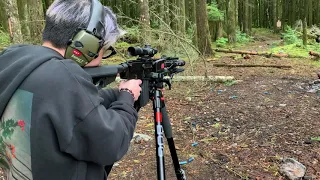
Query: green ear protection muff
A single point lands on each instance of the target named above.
(86, 44)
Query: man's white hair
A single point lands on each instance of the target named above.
(78, 11)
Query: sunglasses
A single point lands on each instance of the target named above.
(107, 53)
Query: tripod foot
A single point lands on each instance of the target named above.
(181, 175)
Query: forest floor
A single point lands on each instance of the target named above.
(243, 129)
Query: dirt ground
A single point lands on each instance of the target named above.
(243, 130)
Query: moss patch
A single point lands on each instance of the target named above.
(296, 49)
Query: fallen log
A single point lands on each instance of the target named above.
(236, 51)
(198, 78)
(313, 53)
(203, 78)
(265, 54)
(252, 65)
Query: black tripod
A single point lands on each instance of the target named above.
(162, 124)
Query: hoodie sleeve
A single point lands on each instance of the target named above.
(104, 135)
(91, 125)
(109, 96)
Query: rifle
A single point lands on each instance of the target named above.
(154, 73)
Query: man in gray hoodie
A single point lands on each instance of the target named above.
(55, 123)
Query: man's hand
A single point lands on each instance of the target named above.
(133, 85)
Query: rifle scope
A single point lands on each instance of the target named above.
(146, 51)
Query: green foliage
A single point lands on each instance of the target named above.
(4, 39)
(191, 31)
(230, 82)
(214, 14)
(155, 23)
(222, 42)
(242, 38)
(132, 34)
(3, 163)
(291, 49)
(8, 128)
(291, 36)
(316, 139)
(296, 49)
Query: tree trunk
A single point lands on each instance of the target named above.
(181, 16)
(24, 18)
(36, 23)
(204, 43)
(163, 22)
(212, 30)
(305, 34)
(145, 21)
(246, 17)
(285, 14)
(14, 25)
(166, 12)
(193, 20)
(274, 15)
(293, 10)
(48, 2)
(231, 22)
(220, 29)
(250, 7)
(173, 15)
(134, 10)
(261, 13)
(310, 12)
(240, 16)
(236, 12)
(279, 25)
(318, 16)
(305, 25)
(162, 13)
(3, 17)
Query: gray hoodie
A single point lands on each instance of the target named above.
(55, 124)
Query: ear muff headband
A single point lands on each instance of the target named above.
(86, 44)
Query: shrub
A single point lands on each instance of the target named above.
(214, 14)
(222, 42)
(291, 36)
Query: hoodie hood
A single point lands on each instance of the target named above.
(18, 62)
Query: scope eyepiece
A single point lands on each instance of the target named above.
(146, 51)
(180, 63)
